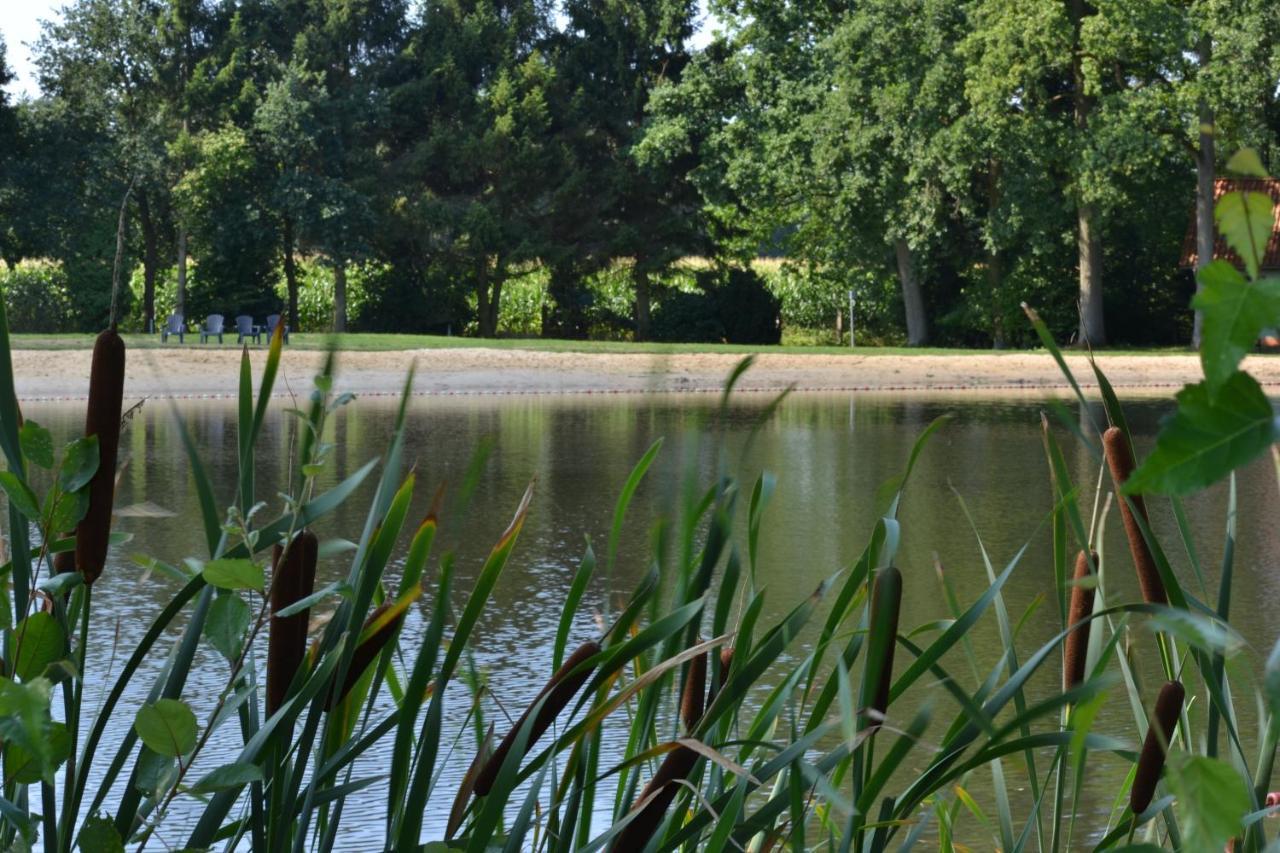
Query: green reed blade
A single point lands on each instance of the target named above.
(209, 512)
(582, 577)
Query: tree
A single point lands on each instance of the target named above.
(616, 204)
(832, 140)
(224, 205)
(473, 152)
(9, 165)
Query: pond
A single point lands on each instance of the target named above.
(830, 453)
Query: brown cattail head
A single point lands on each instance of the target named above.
(726, 661)
(367, 652)
(106, 395)
(1081, 607)
(293, 577)
(886, 602)
(1120, 460)
(695, 689)
(1160, 731)
(64, 561)
(558, 691)
(663, 787)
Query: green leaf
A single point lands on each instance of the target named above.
(1208, 436)
(1235, 313)
(20, 495)
(1211, 800)
(1199, 631)
(22, 767)
(234, 574)
(156, 773)
(1245, 220)
(40, 642)
(98, 835)
(227, 777)
(25, 720)
(79, 464)
(1246, 162)
(37, 444)
(339, 588)
(1271, 680)
(67, 512)
(228, 619)
(62, 584)
(167, 726)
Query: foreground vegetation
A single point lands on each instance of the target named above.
(735, 734)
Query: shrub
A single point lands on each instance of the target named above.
(749, 313)
(38, 298)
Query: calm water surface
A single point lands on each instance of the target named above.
(830, 453)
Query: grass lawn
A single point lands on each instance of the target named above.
(374, 342)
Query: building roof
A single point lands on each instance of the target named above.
(1222, 186)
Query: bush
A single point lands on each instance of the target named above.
(37, 297)
(749, 313)
(732, 306)
(687, 318)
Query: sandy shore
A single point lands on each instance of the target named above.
(158, 373)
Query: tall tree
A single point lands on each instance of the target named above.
(615, 204)
(472, 142)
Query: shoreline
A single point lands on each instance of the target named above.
(62, 375)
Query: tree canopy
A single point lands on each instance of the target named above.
(944, 160)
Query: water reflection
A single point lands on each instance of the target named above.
(830, 454)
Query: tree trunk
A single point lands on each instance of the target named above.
(340, 296)
(1093, 330)
(1204, 193)
(150, 263)
(482, 301)
(640, 275)
(180, 299)
(912, 300)
(994, 279)
(994, 270)
(291, 274)
(1088, 240)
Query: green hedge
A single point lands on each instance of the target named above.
(38, 298)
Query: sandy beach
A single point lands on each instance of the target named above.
(161, 373)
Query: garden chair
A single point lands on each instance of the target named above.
(246, 329)
(211, 327)
(272, 320)
(173, 325)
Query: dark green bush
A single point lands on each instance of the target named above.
(749, 313)
(687, 318)
(38, 298)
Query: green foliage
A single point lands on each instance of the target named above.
(315, 293)
(1226, 420)
(37, 297)
(168, 727)
(1211, 800)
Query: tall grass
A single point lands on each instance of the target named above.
(833, 727)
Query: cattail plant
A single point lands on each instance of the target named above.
(106, 394)
(886, 603)
(367, 652)
(726, 661)
(562, 687)
(293, 577)
(1159, 732)
(695, 688)
(1077, 648)
(675, 768)
(1120, 460)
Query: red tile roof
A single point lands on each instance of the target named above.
(1222, 186)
